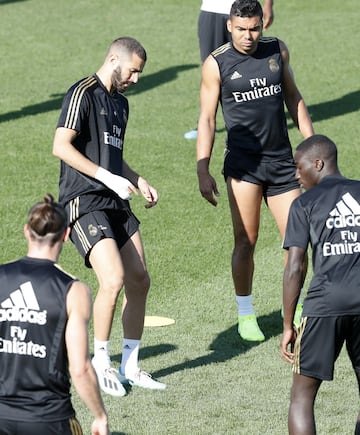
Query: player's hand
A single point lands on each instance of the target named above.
(208, 188)
(120, 185)
(268, 15)
(99, 428)
(287, 345)
(148, 192)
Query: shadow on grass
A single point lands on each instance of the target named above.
(5, 2)
(330, 109)
(47, 106)
(54, 103)
(159, 78)
(227, 345)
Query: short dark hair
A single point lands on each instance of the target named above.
(246, 9)
(47, 220)
(131, 45)
(319, 146)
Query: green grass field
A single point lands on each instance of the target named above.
(217, 384)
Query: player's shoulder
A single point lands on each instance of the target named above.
(62, 272)
(308, 197)
(78, 296)
(328, 190)
(222, 49)
(84, 84)
(270, 45)
(268, 39)
(10, 264)
(352, 181)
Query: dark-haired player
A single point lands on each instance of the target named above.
(327, 217)
(252, 79)
(44, 315)
(213, 32)
(95, 185)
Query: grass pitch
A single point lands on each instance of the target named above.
(217, 384)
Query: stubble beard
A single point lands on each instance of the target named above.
(117, 83)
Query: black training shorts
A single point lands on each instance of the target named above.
(276, 177)
(319, 342)
(64, 427)
(92, 227)
(212, 32)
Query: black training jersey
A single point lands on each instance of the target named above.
(328, 217)
(252, 101)
(34, 380)
(100, 120)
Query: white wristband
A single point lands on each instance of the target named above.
(118, 184)
(103, 175)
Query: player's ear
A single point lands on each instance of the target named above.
(319, 164)
(114, 60)
(26, 231)
(66, 234)
(228, 25)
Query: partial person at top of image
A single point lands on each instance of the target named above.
(44, 335)
(213, 32)
(96, 184)
(252, 79)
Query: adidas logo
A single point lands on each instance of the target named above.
(111, 385)
(235, 75)
(345, 214)
(22, 306)
(103, 111)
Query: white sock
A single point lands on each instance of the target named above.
(245, 306)
(102, 351)
(130, 356)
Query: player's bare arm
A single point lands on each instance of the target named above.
(292, 283)
(79, 308)
(63, 149)
(268, 12)
(209, 100)
(293, 98)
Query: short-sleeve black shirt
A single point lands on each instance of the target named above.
(328, 217)
(100, 118)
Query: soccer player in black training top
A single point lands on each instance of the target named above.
(44, 316)
(95, 185)
(252, 79)
(327, 217)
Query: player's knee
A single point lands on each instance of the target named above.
(144, 282)
(246, 240)
(112, 285)
(244, 247)
(139, 283)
